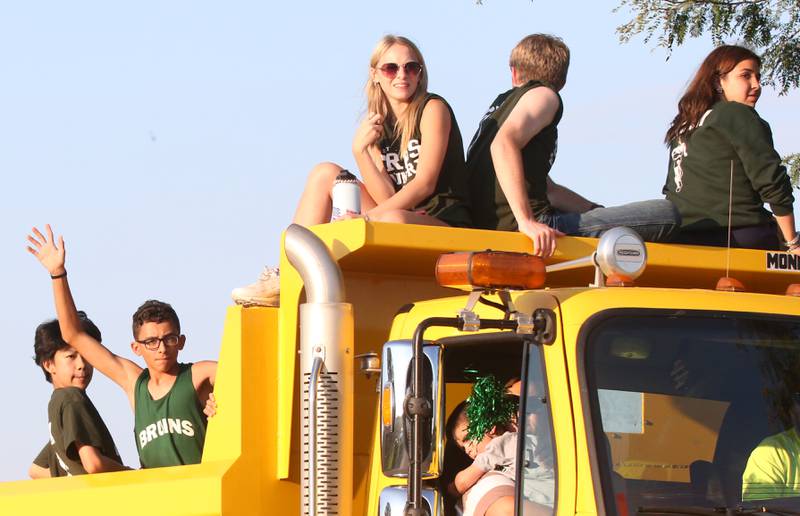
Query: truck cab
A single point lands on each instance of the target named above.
(656, 395)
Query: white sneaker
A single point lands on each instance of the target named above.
(264, 292)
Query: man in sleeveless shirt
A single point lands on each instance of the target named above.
(511, 154)
(167, 397)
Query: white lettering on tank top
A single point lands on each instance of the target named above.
(391, 161)
(401, 170)
(165, 426)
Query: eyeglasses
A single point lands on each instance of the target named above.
(412, 69)
(154, 342)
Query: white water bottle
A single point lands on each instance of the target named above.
(346, 195)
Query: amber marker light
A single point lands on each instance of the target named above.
(386, 406)
(728, 284)
(490, 270)
(793, 290)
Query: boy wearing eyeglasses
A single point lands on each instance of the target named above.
(167, 397)
(79, 440)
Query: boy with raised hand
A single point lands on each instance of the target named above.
(79, 441)
(167, 397)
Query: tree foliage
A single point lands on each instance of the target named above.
(792, 162)
(770, 27)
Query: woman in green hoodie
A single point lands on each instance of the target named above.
(723, 165)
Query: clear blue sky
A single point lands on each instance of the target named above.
(169, 142)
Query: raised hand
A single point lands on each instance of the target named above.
(368, 133)
(44, 248)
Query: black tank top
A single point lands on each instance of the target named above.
(448, 202)
(490, 209)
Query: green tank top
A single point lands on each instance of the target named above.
(490, 209)
(169, 431)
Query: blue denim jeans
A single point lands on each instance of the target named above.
(655, 220)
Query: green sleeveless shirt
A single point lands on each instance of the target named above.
(169, 431)
(490, 209)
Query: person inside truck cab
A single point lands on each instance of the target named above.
(488, 483)
(408, 150)
(723, 163)
(513, 150)
(773, 468)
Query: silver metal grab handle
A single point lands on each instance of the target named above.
(313, 385)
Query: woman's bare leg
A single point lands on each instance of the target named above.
(502, 507)
(315, 203)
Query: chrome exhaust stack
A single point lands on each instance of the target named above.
(326, 377)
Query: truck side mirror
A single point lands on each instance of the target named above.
(395, 383)
(392, 501)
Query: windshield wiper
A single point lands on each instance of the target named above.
(755, 509)
(688, 509)
(734, 511)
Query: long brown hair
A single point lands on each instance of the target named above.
(378, 103)
(704, 90)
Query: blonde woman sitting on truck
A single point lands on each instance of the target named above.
(408, 150)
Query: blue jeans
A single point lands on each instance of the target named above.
(656, 220)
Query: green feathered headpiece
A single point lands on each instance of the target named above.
(488, 406)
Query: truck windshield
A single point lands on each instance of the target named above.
(695, 409)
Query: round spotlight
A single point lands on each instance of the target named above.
(621, 252)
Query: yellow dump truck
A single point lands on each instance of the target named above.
(644, 388)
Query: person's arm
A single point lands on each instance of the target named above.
(534, 111)
(40, 468)
(434, 129)
(787, 227)
(204, 375)
(41, 464)
(36, 472)
(752, 140)
(467, 478)
(94, 461)
(564, 199)
(120, 370)
(368, 161)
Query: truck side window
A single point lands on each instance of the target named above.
(537, 474)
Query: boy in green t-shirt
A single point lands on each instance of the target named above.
(79, 439)
(167, 397)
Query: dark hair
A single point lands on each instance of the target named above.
(452, 419)
(704, 90)
(157, 312)
(47, 340)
